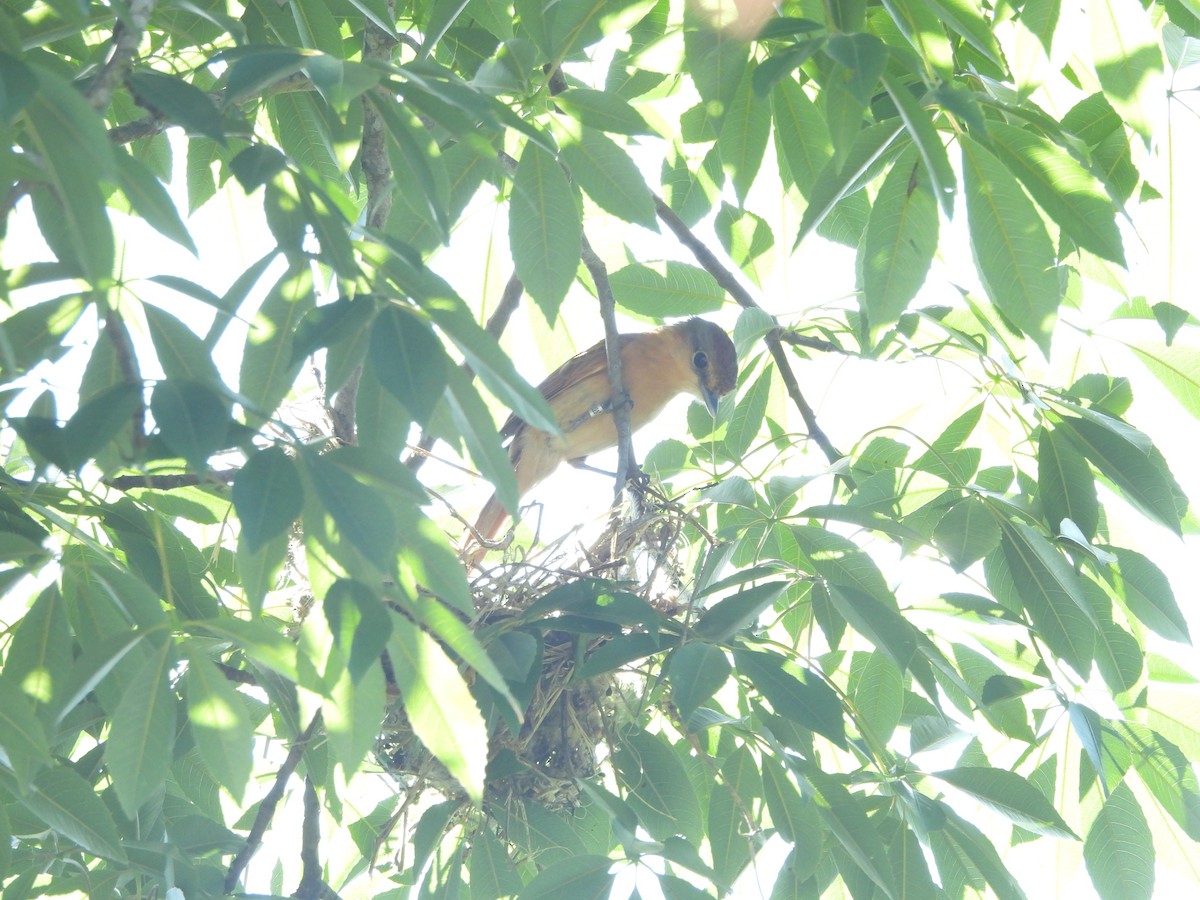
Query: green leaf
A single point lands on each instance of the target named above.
(472, 421)
(928, 142)
(178, 101)
(1141, 474)
(865, 56)
(1128, 59)
(666, 289)
(607, 174)
(71, 145)
(967, 533)
(220, 724)
(40, 654)
(1068, 490)
(35, 333)
(257, 165)
(879, 697)
(747, 238)
(738, 611)
(1011, 247)
(269, 364)
(801, 135)
(922, 27)
(359, 623)
(440, 708)
(747, 418)
(971, 846)
(142, 736)
(742, 140)
(181, 353)
(1177, 367)
(966, 17)
(581, 878)
(1010, 795)
(1070, 195)
(804, 697)
(409, 360)
(873, 148)
(846, 816)
(352, 714)
(268, 496)
(797, 820)
(1168, 773)
(151, 201)
(1148, 594)
(657, 787)
(1119, 852)
(68, 804)
(544, 229)
(493, 366)
(492, 871)
(1052, 596)
(898, 247)
(22, 738)
(602, 111)
(362, 518)
(99, 420)
(193, 421)
(696, 670)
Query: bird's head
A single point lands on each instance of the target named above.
(713, 361)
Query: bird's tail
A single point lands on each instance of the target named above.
(491, 518)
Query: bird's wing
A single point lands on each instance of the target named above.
(591, 362)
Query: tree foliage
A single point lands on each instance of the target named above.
(230, 585)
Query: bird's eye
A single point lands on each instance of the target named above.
(700, 360)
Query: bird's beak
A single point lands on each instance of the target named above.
(710, 400)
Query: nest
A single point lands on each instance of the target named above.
(568, 722)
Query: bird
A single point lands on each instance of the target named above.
(693, 356)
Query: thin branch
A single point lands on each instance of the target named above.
(266, 810)
(619, 401)
(377, 173)
(731, 285)
(803, 340)
(311, 882)
(127, 35)
(171, 482)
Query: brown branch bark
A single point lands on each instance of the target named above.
(266, 811)
(127, 35)
(731, 285)
(619, 402)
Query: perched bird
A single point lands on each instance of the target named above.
(694, 356)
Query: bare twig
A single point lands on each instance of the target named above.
(803, 340)
(619, 401)
(171, 482)
(266, 809)
(726, 279)
(127, 34)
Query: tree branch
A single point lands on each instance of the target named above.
(266, 810)
(127, 34)
(730, 284)
(377, 173)
(311, 884)
(619, 402)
